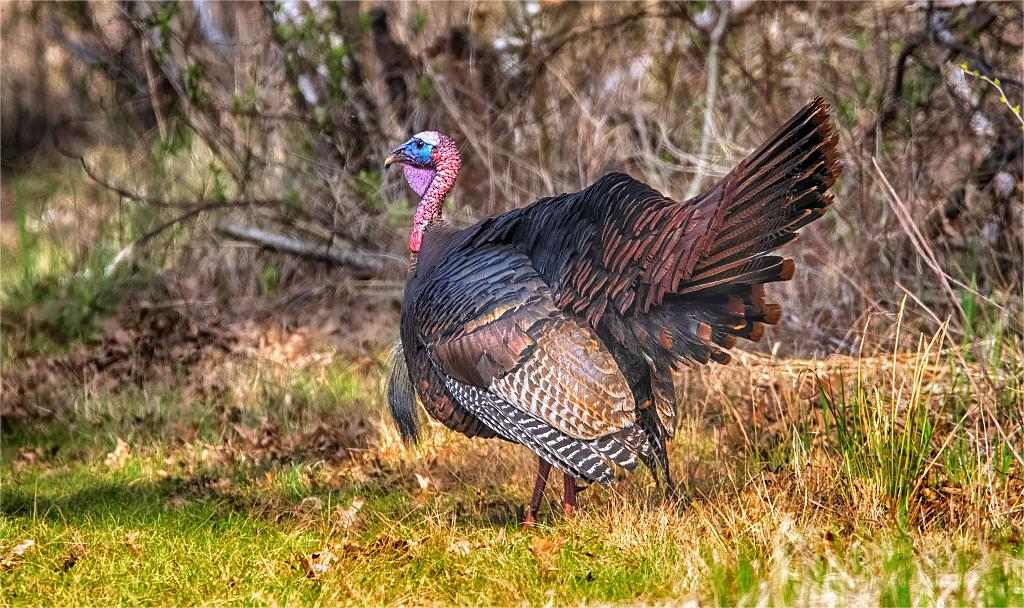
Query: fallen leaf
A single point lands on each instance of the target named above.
(121, 336)
(15, 555)
(118, 456)
(545, 550)
(20, 549)
(311, 504)
(346, 518)
(27, 455)
(131, 540)
(175, 503)
(75, 553)
(391, 546)
(460, 547)
(316, 564)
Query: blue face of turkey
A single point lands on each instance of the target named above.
(417, 152)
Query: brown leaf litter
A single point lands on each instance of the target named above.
(332, 442)
(147, 343)
(137, 347)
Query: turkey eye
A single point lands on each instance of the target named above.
(419, 144)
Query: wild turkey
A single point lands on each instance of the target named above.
(558, 326)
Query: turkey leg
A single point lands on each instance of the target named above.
(543, 468)
(569, 497)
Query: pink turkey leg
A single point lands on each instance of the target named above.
(543, 468)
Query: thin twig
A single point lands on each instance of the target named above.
(709, 97)
(921, 245)
(154, 95)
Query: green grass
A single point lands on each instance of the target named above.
(126, 507)
(107, 538)
(115, 537)
(885, 433)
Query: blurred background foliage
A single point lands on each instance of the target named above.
(224, 159)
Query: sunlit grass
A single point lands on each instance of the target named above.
(118, 537)
(148, 497)
(883, 429)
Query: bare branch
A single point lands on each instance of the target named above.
(327, 252)
(190, 214)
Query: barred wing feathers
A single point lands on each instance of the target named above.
(523, 367)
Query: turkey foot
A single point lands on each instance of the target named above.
(543, 468)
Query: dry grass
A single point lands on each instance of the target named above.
(306, 493)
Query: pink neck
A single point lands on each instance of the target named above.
(429, 209)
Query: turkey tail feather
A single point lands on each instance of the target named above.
(757, 208)
(401, 396)
(774, 192)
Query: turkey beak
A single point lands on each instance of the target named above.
(394, 158)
